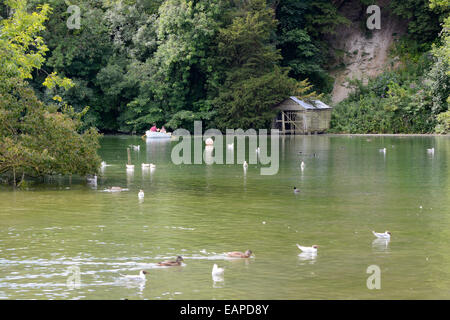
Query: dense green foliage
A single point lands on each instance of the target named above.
(137, 62)
(36, 138)
(226, 62)
(414, 98)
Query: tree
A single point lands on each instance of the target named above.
(253, 82)
(36, 139)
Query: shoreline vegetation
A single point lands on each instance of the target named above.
(128, 64)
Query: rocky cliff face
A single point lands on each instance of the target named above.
(361, 53)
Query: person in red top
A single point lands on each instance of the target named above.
(153, 129)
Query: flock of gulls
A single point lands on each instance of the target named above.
(218, 272)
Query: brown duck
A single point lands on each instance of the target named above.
(237, 254)
(171, 263)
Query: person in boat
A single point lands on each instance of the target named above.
(163, 130)
(154, 129)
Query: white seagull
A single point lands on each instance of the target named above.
(216, 271)
(137, 148)
(258, 150)
(385, 235)
(296, 190)
(230, 145)
(245, 165)
(141, 194)
(312, 249)
(140, 277)
(383, 150)
(302, 165)
(430, 150)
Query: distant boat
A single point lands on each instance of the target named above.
(157, 135)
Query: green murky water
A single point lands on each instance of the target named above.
(201, 211)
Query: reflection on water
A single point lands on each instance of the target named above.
(199, 211)
(380, 244)
(308, 256)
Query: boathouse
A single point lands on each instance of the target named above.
(296, 116)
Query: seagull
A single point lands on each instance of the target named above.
(137, 148)
(385, 235)
(141, 194)
(230, 145)
(216, 271)
(312, 249)
(296, 190)
(140, 277)
(302, 165)
(258, 150)
(383, 150)
(245, 165)
(430, 150)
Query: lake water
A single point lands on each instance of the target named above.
(201, 211)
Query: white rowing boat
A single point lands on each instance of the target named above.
(157, 135)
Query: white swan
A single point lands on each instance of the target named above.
(385, 235)
(312, 249)
(140, 277)
(216, 271)
(141, 194)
